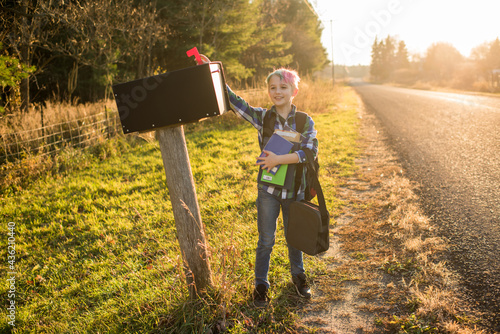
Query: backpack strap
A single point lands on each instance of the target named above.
(267, 127)
(317, 186)
(312, 167)
(300, 122)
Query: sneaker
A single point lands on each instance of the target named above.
(260, 296)
(301, 286)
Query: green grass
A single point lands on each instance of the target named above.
(96, 247)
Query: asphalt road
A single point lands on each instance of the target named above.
(450, 144)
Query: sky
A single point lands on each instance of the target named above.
(419, 23)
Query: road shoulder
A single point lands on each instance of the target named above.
(384, 270)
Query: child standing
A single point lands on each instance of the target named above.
(282, 87)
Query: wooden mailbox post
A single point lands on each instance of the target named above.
(190, 229)
(164, 103)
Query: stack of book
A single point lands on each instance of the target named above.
(281, 142)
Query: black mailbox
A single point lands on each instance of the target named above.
(173, 98)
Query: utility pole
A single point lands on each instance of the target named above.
(333, 65)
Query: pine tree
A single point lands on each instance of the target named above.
(493, 56)
(386, 59)
(388, 55)
(376, 63)
(268, 50)
(303, 29)
(402, 60)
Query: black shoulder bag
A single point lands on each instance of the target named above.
(308, 223)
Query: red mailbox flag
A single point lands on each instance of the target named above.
(194, 52)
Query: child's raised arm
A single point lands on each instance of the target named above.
(241, 107)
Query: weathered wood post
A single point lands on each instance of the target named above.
(190, 229)
(164, 103)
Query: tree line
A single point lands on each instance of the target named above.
(442, 65)
(74, 50)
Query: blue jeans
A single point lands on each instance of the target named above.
(268, 209)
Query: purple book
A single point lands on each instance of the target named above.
(278, 145)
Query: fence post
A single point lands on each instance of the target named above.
(5, 148)
(190, 229)
(18, 150)
(107, 122)
(41, 114)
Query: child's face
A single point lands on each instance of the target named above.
(281, 93)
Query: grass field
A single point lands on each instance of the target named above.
(95, 240)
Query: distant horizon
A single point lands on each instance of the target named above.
(410, 54)
(420, 24)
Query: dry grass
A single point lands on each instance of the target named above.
(28, 152)
(414, 286)
(44, 131)
(53, 113)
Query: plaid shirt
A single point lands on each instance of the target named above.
(256, 117)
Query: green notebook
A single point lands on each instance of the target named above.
(277, 179)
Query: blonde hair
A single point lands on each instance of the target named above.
(287, 76)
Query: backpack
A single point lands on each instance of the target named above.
(311, 173)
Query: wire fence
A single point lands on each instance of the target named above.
(77, 133)
(47, 140)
